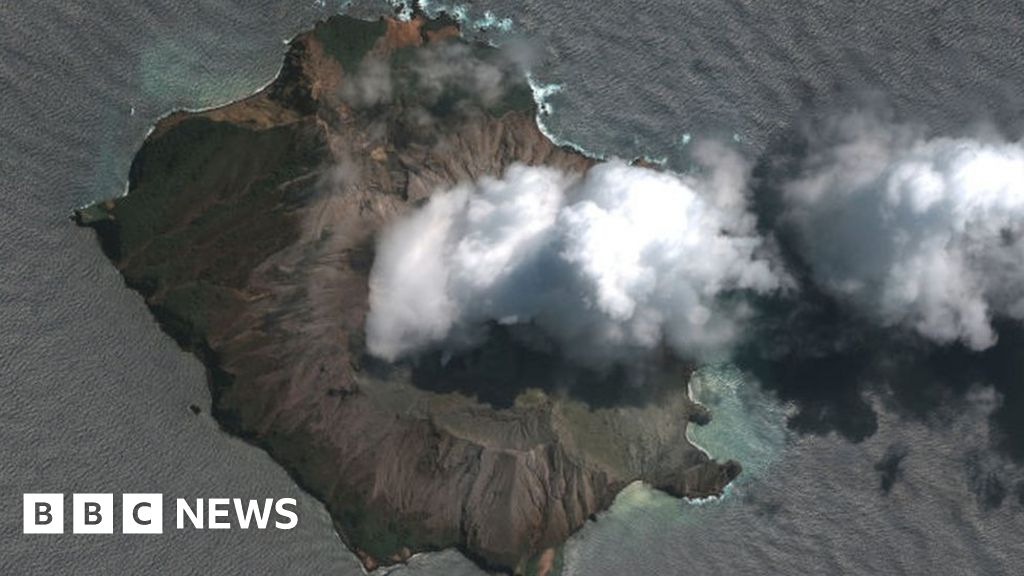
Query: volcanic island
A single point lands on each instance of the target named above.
(250, 231)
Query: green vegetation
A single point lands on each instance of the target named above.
(517, 97)
(456, 95)
(517, 94)
(188, 309)
(348, 39)
(378, 534)
(210, 200)
(442, 21)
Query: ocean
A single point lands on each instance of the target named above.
(96, 397)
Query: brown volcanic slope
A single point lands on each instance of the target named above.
(250, 229)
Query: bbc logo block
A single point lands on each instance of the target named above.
(93, 514)
(43, 514)
(142, 514)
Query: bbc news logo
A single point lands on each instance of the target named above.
(144, 513)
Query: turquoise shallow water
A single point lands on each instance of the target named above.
(96, 397)
(748, 424)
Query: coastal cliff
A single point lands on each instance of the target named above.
(250, 231)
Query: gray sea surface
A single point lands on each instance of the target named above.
(96, 398)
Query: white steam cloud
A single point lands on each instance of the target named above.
(439, 71)
(923, 234)
(621, 260)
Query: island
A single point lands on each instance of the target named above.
(250, 231)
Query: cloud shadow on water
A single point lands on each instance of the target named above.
(824, 357)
